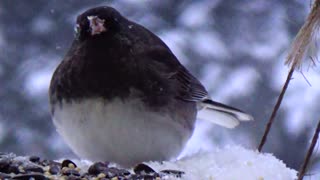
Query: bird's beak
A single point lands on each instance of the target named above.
(96, 25)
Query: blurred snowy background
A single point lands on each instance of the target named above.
(236, 48)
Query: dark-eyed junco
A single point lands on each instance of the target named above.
(121, 95)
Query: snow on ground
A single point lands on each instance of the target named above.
(233, 162)
(229, 163)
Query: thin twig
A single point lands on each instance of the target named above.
(275, 109)
(305, 78)
(310, 151)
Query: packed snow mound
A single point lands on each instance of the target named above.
(232, 162)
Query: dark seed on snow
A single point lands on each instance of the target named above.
(4, 165)
(173, 172)
(85, 175)
(115, 172)
(54, 169)
(13, 168)
(97, 168)
(49, 163)
(142, 177)
(70, 172)
(33, 169)
(34, 159)
(143, 169)
(149, 177)
(34, 176)
(123, 172)
(38, 169)
(73, 178)
(135, 176)
(67, 162)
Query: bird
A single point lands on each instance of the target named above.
(121, 95)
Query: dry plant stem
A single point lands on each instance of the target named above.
(275, 109)
(301, 45)
(305, 40)
(310, 151)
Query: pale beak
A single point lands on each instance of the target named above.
(96, 25)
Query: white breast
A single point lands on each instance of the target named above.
(122, 132)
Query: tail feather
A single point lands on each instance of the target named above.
(221, 114)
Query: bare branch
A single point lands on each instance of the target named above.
(309, 153)
(275, 110)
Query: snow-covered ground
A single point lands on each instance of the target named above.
(228, 163)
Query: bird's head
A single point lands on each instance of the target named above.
(97, 21)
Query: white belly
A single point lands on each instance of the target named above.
(121, 132)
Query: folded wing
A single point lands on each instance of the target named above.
(190, 89)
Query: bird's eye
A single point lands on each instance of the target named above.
(77, 30)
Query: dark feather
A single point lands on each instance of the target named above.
(164, 62)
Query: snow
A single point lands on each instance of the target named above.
(199, 140)
(233, 162)
(228, 163)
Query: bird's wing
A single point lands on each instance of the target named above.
(185, 85)
(190, 89)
